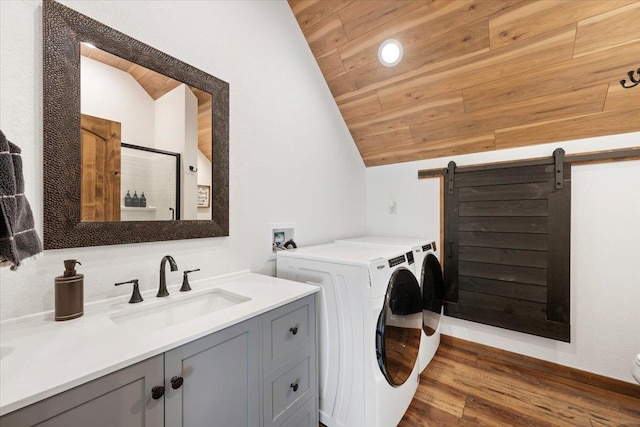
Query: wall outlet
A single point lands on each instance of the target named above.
(393, 207)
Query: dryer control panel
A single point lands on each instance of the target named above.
(397, 261)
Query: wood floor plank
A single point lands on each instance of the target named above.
(490, 413)
(425, 415)
(471, 385)
(522, 399)
(442, 397)
(580, 398)
(558, 372)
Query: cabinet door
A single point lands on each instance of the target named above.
(120, 399)
(221, 379)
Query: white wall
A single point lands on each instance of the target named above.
(203, 175)
(605, 251)
(177, 131)
(292, 159)
(112, 94)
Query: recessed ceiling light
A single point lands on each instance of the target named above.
(390, 52)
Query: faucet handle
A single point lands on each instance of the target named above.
(135, 296)
(185, 280)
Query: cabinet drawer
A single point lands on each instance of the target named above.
(288, 388)
(307, 416)
(288, 331)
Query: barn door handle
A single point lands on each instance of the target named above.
(450, 251)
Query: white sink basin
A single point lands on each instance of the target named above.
(184, 308)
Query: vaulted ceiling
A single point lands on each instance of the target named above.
(476, 75)
(157, 85)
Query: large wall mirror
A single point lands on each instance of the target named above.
(122, 119)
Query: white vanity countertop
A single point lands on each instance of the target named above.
(40, 357)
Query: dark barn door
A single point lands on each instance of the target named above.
(507, 245)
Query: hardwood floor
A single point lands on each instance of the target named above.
(468, 384)
(479, 386)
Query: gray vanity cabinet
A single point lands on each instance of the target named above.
(258, 373)
(221, 379)
(122, 399)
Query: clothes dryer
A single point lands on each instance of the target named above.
(369, 328)
(428, 271)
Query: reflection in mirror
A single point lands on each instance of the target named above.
(65, 225)
(150, 189)
(136, 105)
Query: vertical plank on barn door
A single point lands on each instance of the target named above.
(507, 246)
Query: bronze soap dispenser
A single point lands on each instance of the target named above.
(69, 292)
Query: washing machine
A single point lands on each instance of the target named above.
(369, 321)
(428, 271)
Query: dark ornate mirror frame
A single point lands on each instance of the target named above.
(63, 30)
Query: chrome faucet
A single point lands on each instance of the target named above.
(162, 290)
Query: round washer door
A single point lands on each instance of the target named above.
(399, 325)
(432, 294)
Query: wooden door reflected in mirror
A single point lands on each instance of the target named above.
(100, 154)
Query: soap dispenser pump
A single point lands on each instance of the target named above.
(69, 292)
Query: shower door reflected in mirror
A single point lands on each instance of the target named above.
(150, 111)
(150, 183)
(125, 182)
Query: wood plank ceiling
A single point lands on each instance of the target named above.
(477, 75)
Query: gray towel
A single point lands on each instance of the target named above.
(18, 237)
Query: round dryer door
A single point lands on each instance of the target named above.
(399, 324)
(432, 294)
